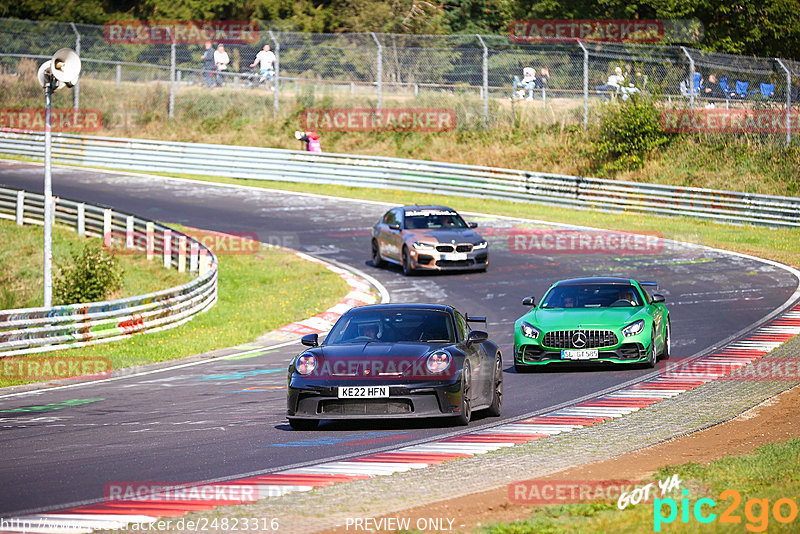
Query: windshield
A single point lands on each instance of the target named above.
(592, 296)
(392, 326)
(433, 220)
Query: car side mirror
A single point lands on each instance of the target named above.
(529, 301)
(310, 340)
(658, 298)
(394, 226)
(476, 336)
(472, 224)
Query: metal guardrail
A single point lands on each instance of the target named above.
(406, 174)
(37, 330)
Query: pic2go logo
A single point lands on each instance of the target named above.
(756, 511)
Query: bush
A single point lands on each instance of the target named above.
(91, 276)
(627, 132)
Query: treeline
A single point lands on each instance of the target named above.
(746, 27)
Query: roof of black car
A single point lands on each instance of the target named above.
(405, 306)
(608, 280)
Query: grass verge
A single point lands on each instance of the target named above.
(21, 277)
(256, 294)
(760, 480)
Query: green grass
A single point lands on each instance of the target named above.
(772, 472)
(256, 294)
(522, 136)
(21, 278)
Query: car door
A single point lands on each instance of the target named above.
(476, 357)
(387, 237)
(657, 313)
(394, 234)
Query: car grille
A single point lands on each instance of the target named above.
(461, 247)
(455, 263)
(566, 339)
(365, 406)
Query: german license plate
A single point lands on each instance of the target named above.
(455, 256)
(579, 354)
(363, 392)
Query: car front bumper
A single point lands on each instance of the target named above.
(436, 261)
(308, 400)
(626, 353)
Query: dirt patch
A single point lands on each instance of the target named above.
(774, 420)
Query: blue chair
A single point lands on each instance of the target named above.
(741, 89)
(698, 78)
(767, 90)
(723, 84)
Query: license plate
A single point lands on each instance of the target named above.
(579, 354)
(455, 256)
(363, 392)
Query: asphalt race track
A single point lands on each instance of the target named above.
(225, 418)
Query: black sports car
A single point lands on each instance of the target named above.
(396, 361)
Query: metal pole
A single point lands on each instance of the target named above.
(788, 102)
(276, 83)
(691, 77)
(48, 197)
(76, 91)
(380, 69)
(485, 81)
(585, 85)
(172, 76)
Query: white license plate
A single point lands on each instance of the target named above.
(579, 354)
(455, 256)
(363, 392)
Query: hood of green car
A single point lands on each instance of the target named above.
(573, 318)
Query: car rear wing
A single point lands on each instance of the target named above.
(649, 283)
(475, 319)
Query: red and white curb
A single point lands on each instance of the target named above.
(119, 514)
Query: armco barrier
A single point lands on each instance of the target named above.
(412, 175)
(36, 330)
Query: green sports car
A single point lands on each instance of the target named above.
(613, 320)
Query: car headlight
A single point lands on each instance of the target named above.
(423, 246)
(528, 330)
(633, 328)
(306, 363)
(481, 245)
(438, 361)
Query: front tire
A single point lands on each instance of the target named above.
(303, 424)
(653, 356)
(465, 413)
(407, 269)
(667, 352)
(377, 260)
(496, 407)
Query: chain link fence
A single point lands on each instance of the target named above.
(480, 77)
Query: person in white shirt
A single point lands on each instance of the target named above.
(266, 58)
(221, 61)
(613, 84)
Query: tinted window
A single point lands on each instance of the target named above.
(433, 220)
(592, 296)
(461, 325)
(392, 326)
(390, 217)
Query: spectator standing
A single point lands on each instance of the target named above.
(310, 140)
(266, 59)
(528, 81)
(208, 63)
(544, 79)
(221, 61)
